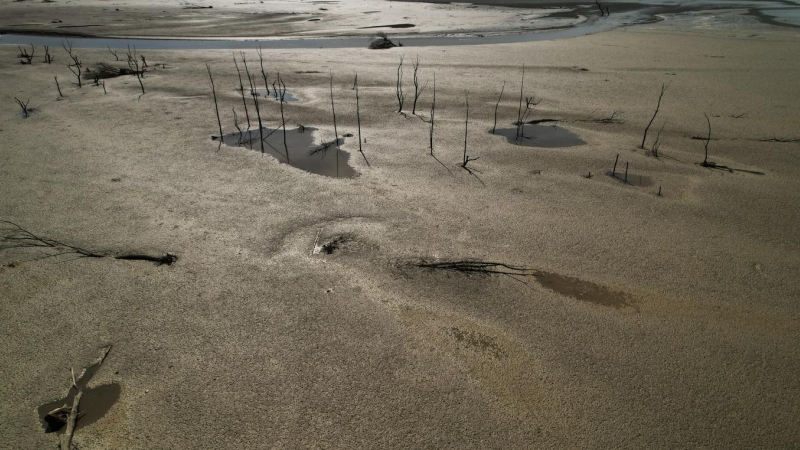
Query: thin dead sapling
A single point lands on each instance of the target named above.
(358, 117)
(27, 57)
(401, 97)
(216, 106)
(664, 87)
(60, 95)
(433, 112)
(466, 158)
(241, 90)
(417, 88)
(494, 127)
(76, 65)
(263, 73)
(335, 130)
(23, 106)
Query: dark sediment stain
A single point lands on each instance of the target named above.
(582, 290)
(303, 154)
(545, 136)
(560, 284)
(477, 341)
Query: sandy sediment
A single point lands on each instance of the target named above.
(251, 340)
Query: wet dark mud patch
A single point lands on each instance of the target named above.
(583, 290)
(568, 286)
(631, 179)
(95, 403)
(394, 25)
(476, 341)
(546, 136)
(323, 159)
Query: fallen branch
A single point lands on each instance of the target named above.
(16, 237)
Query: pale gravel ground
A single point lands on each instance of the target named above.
(239, 345)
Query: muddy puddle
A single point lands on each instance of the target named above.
(545, 136)
(95, 402)
(582, 290)
(288, 97)
(632, 178)
(320, 159)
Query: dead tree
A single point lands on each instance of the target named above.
(466, 159)
(614, 170)
(417, 89)
(254, 94)
(519, 111)
(241, 89)
(401, 97)
(144, 61)
(664, 87)
(335, 130)
(116, 55)
(133, 59)
(76, 65)
(654, 148)
(23, 106)
(104, 87)
(28, 57)
(705, 162)
(433, 112)
(141, 85)
(216, 106)
(238, 128)
(60, 95)
(494, 127)
(263, 73)
(47, 58)
(358, 117)
(530, 104)
(600, 7)
(281, 92)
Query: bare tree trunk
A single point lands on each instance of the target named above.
(254, 93)
(216, 106)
